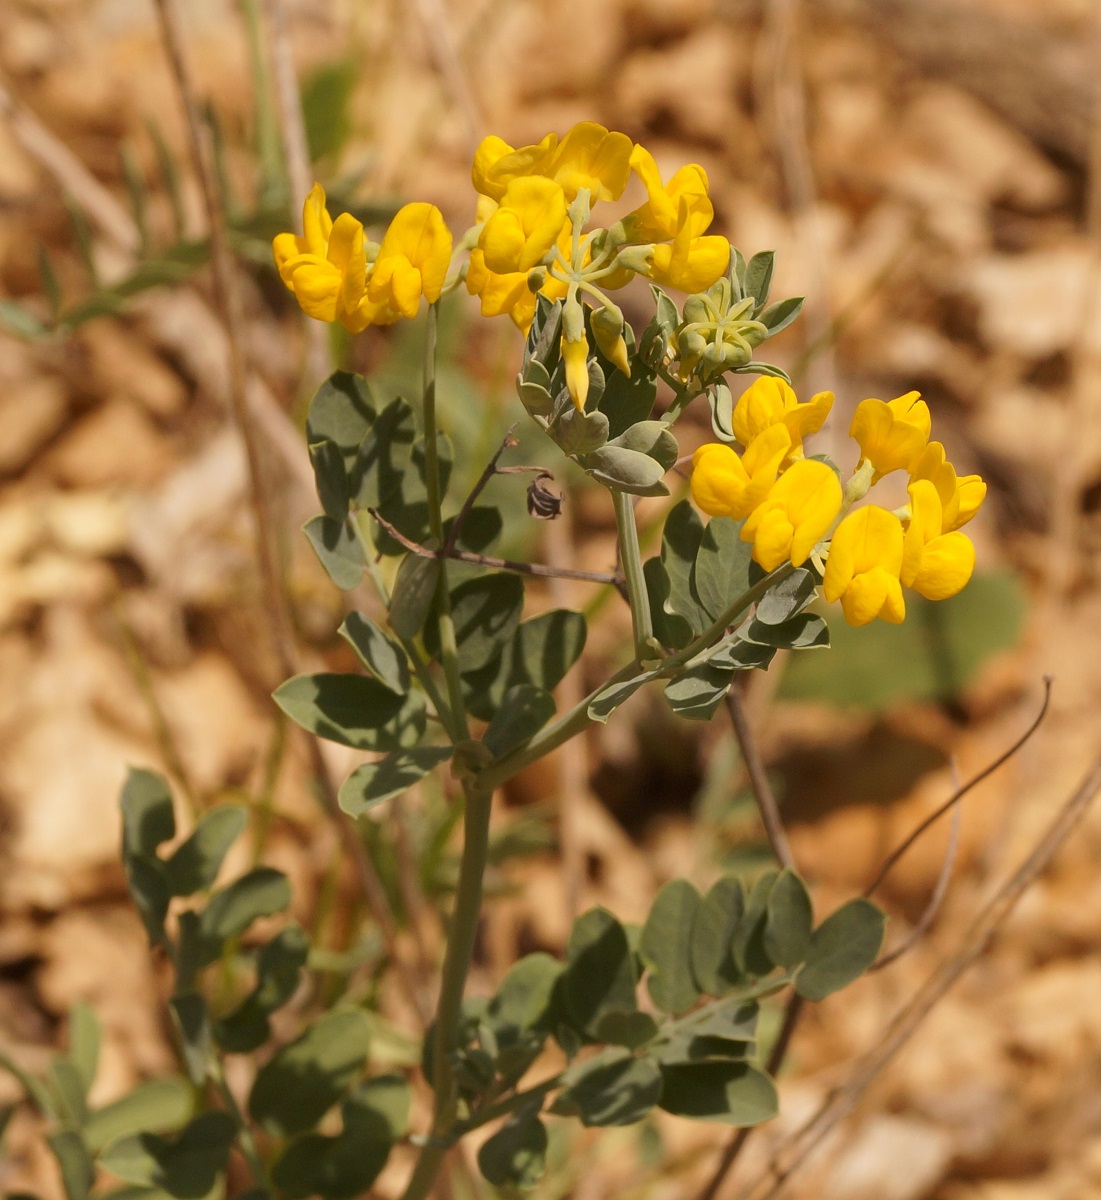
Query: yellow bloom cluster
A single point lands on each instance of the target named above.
(790, 503)
(336, 274)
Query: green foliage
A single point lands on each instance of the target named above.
(388, 777)
(353, 710)
(516, 1155)
(666, 946)
(184, 1167)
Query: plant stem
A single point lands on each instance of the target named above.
(631, 559)
(573, 722)
(460, 950)
(449, 649)
(244, 1134)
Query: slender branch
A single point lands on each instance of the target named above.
(490, 470)
(630, 558)
(940, 890)
(959, 793)
(504, 564)
(228, 305)
(460, 951)
(758, 781)
(909, 1020)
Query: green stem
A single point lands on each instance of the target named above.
(573, 722)
(244, 1134)
(449, 649)
(631, 558)
(456, 965)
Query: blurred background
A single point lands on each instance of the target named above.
(929, 173)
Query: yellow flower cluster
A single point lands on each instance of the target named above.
(336, 274)
(790, 503)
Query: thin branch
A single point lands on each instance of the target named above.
(758, 781)
(504, 564)
(940, 890)
(228, 304)
(457, 524)
(974, 944)
(959, 793)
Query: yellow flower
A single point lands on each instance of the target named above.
(591, 157)
(500, 292)
(327, 266)
(864, 565)
(724, 485)
(328, 270)
(690, 263)
(657, 219)
(769, 401)
(891, 435)
(935, 563)
(795, 515)
(961, 497)
(497, 164)
(412, 260)
(526, 224)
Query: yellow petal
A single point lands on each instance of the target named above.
(528, 222)
(926, 515)
(591, 157)
(419, 233)
(868, 539)
(946, 566)
(576, 357)
(719, 480)
(762, 404)
(285, 247)
(811, 493)
(316, 222)
(970, 493)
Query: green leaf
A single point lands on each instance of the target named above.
(525, 994)
(617, 1090)
(151, 894)
(681, 540)
(630, 1029)
(807, 631)
(481, 527)
(626, 402)
(600, 970)
(524, 711)
(608, 699)
(788, 920)
(736, 654)
(295, 1088)
(157, 1106)
(374, 782)
(516, 1155)
(757, 281)
(185, 1168)
(374, 1116)
(192, 1021)
(263, 892)
(698, 691)
(747, 946)
(720, 573)
(486, 612)
(841, 949)
(147, 816)
(626, 470)
(84, 1038)
(666, 947)
(380, 654)
(727, 1034)
(414, 591)
(406, 509)
(575, 432)
(353, 710)
(785, 599)
(20, 321)
(732, 1093)
(540, 653)
(77, 1169)
(195, 864)
(331, 478)
(341, 412)
(713, 964)
(943, 643)
(338, 549)
(385, 456)
(652, 438)
(781, 314)
(278, 970)
(670, 629)
(68, 1089)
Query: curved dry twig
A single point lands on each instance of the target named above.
(959, 793)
